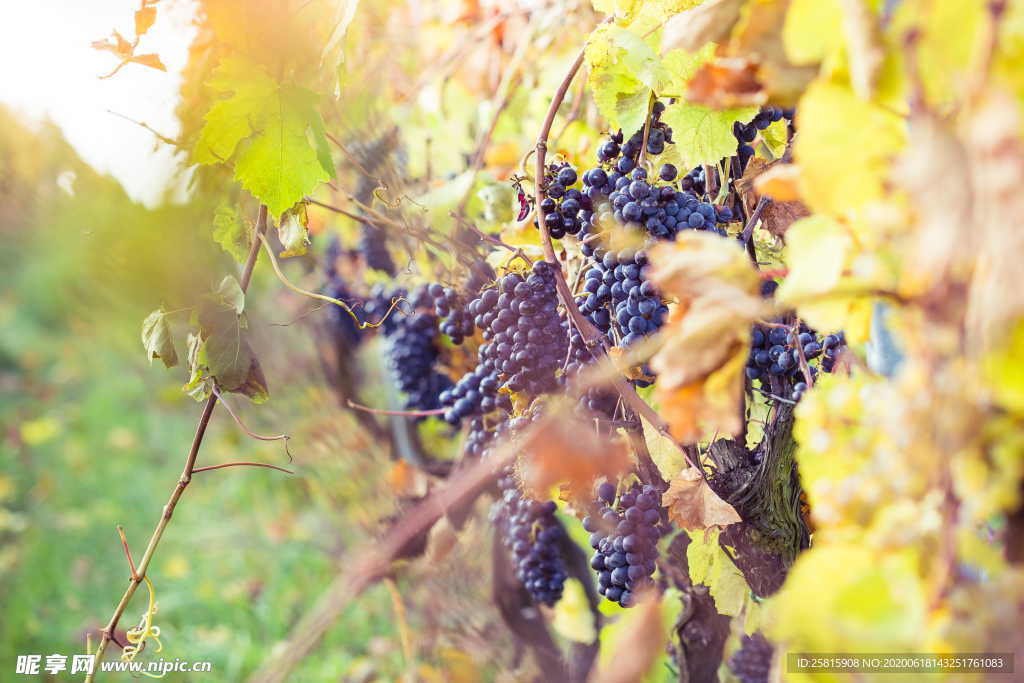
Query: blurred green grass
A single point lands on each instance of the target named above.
(95, 437)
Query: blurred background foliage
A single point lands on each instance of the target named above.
(95, 437)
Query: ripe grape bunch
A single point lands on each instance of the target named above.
(449, 306)
(774, 356)
(526, 344)
(531, 534)
(625, 539)
(412, 350)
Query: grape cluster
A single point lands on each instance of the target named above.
(746, 132)
(619, 296)
(562, 202)
(531, 533)
(457, 324)
(625, 539)
(752, 663)
(412, 353)
(774, 353)
(526, 343)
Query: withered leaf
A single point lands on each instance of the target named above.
(562, 447)
(708, 22)
(726, 83)
(693, 505)
(707, 338)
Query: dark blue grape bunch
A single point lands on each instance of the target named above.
(412, 354)
(562, 201)
(752, 663)
(449, 306)
(617, 284)
(531, 535)
(526, 343)
(625, 538)
(775, 356)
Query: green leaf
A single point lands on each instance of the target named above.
(230, 120)
(265, 128)
(703, 135)
(156, 338)
(679, 66)
(623, 72)
(230, 295)
(279, 166)
(230, 232)
(220, 355)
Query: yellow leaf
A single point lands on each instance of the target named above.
(35, 432)
(572, 618)
(816, 253)
(709, 22)
(845, 147)
(813, 30)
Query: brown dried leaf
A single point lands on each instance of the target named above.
(709, 22)
(776, 179)
(758, 36)
(780, 182)
(562, 447)
(726, 82)
(693, 505)
(150, 60)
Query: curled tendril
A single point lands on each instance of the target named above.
(361, 324)
(145, 630)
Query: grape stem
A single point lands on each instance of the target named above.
(139, 573)
(590, 334)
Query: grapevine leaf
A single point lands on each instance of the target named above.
(632, 645)
(692, 505)
(293, 231)
(144, 19)
(230, 295)
(156, 338)
(707, 338)
(623, 72)
(679, 66)
(279, 166)
(150, 60)
(277, 163)
(813, 30)
(816, 252)
(839, 130)
(230, 232)
(708, 22)
(572, 617)
(703, 135)
(231, 120)
(222, 354)
(562, 449)
(710, 565)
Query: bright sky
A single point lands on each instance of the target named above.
(50, 71)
